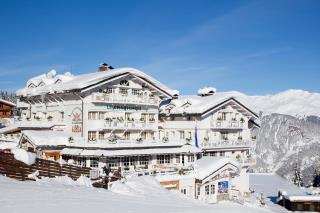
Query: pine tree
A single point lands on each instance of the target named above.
(316, 178)
(297, 179)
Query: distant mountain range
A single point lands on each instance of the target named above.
(289, 133)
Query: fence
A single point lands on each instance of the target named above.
(13, 168)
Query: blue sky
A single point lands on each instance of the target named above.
(256, 47)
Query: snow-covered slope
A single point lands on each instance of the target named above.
(140, 194)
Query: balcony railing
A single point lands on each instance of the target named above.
(123, 143)
(129, 125)
(221, 124)
(225, 143)
(111, 98)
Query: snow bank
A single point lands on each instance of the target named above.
(138, 186)
(24, 156)
(65, 180)
(36, 197)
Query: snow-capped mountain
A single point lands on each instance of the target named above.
(290, 132)
(284, 140)
(291, 102)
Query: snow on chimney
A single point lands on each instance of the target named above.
(104, 67)
(206, 91)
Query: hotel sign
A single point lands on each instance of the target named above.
(123, 107)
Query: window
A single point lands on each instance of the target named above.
(92, 136)
(135, 92)
(206, 189)
(101, 115)
(224, 135)
(163, 159)
(124, 83)
(144, 160)
(198, 190)
(123, 91)
(184, 191)
(92, 115)
(94, 162)
(108, 90)
(143, 135)
(181, 134)
(113, 162)
(152, 135)
(81, 161)
(130, 161)
(101, 135)
(177, 158)
(299, 207)
(222, 153)
(224, 116)
(143, 117)
(127, 135)
(190, 158)
(151, 118)
(212, 189)
(212, 154)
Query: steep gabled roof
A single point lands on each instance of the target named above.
(7, 102)
(207, 166)
(85, 81)
(201, 105)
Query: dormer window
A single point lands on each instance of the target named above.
(41, 84)
(58, 81)
(124, 83)
(31, 85)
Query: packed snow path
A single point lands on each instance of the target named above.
(139, 195)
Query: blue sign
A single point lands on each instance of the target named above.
(223, 187)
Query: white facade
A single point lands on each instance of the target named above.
(125, 118)
(220, 124)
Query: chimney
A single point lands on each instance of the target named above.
(104, 67)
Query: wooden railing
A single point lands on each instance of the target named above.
(13, 168)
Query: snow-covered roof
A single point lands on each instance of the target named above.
(25, 125)
(46, 137)
(125, 152)
(69, 82)
(7, 102)
(192, 104)
(209, 165)
(8, 145)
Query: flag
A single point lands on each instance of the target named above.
(196, 137)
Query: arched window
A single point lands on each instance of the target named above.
(124, 83)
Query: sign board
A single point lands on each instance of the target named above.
(123, 107)
(223, 187)
(76, 120)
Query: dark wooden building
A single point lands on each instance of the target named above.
(300, 202)
(6, 108)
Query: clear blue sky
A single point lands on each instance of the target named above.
(256, 47)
